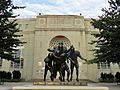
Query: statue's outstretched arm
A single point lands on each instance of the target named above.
(50, 50)
(69, 49)
(82, 57)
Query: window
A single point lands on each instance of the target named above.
(18, 57)
(20, 26)
(17, 65)
(98, 65)
(119, 65)
(26, 26)
(78, 44)
(0, 62)
(103, 65)
(22, 63)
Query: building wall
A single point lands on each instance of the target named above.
(39, 31)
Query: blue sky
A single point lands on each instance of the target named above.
(88, 8)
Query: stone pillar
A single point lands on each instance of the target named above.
(84, 44)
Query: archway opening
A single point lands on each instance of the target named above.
(58, 39)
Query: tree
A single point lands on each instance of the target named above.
(9, 31)
(108, 39)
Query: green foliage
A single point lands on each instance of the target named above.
(2, 74)
(104, 77)
(5, 75)
(9, 37)
(108, 39)
(16, 74)
(9, 75)
(117, 75)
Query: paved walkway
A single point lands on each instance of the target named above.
(112, 86)
(8, 86)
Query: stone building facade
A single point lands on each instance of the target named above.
(45, 31)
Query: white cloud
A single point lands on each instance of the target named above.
(25, 13)
(88, 8)
(17, 2)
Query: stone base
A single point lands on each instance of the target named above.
(57, 83)
(58, 88)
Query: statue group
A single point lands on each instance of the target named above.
(57, 59)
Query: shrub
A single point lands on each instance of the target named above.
(117, 76)
(104, 77)
(110, 76)
(9, 75)
(3, 74)
(16, 74)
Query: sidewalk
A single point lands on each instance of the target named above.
(112, 86)
(8, 86)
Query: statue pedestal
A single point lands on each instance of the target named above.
(35, 87)
(57, 83)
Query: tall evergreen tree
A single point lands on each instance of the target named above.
(108, 39)
(9, 37)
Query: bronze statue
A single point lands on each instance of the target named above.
(74, 62)
(56, 62)
(61, 63)
(48, 66)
